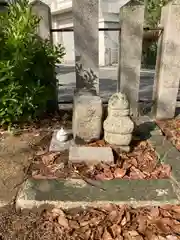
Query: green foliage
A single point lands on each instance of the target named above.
(153, 11)
(149, 56)
(152, 19)
(27, 64)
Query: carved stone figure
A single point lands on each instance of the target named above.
(118, 126)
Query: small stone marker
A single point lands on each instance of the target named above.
(118, 126)
(57, 146)
(91, 155)
(87, 117)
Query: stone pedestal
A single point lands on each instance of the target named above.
(118, 126)
(87, 117)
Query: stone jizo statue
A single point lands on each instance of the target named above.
(118, 126)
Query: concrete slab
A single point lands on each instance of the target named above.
(90, 155)
(56, 146)
(77, 193)
(166, 151)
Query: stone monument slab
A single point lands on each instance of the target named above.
(87, 117)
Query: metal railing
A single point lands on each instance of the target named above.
(104, 29)
(112, 54)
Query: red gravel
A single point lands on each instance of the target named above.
(114, 222)
(171, 129)
(141, 163)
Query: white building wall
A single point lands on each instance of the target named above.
(111, 43)
(108, 18)
(64, 20)
(101, 45)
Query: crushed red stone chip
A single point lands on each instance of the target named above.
(141, 163)
(171, 129)
(111, 223)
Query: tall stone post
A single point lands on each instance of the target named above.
(43, 11)
(87, 112)
(130, 42)
(168, 63)
(86, 40)
(3, 6)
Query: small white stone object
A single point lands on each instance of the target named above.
(62, 135)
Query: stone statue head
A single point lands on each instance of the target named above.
(118, 101)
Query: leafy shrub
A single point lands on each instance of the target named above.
(152, 19)
(153, 11)
(27, 81)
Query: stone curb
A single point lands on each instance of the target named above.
(77, 193)
(167, 152)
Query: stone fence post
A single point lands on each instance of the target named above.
(43, 11)
(130, 43)
(3, 6)
(87, 105)
(86, 40)
(168, 63)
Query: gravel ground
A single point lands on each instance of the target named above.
(141, 163)
(171, 128)
(114, 222)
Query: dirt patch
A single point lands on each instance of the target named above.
(16, 154)
(141, 163)
(17, 150)
(171, 129)
(113, 222)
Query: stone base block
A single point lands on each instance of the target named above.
(77, 193)
(118, 125)
(91, 155)
(117, 139)
(126, 149)
(87, 118)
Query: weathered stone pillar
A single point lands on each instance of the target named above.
(130, 42)
(87, 112)
(168, 63)
(3, 6)
(43, 11)
(86, 40)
